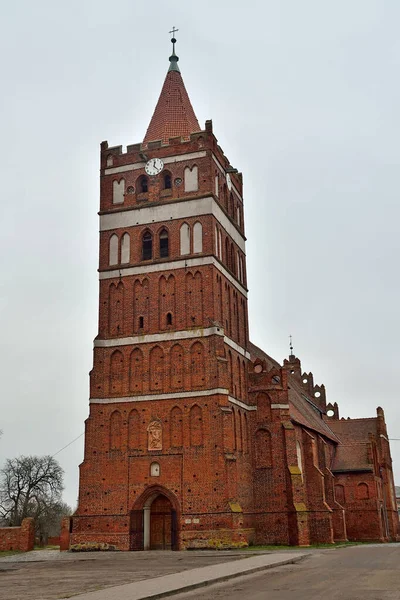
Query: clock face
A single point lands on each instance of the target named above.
(228, 181)
(154, 166)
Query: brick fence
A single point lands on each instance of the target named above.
(18, 538)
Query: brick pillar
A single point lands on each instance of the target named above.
(27, 535)
(65, 533)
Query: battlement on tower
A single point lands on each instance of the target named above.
(113, 157)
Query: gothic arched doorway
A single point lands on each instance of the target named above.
(154, 521)
(160, 524)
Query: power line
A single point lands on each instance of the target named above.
(77, 438)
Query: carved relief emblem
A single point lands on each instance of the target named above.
(154, 436)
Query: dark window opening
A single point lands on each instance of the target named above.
(147, 246)
(169, 319)
(143, 185)
(167, 181)
(141, 322)
(164, 250)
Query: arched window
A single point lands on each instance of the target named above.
(233, 261)
(143, 185)
(125, 248)
(164, 250)
(299, 457)
(362, 491)
(116, 309)
(231, 206)
(167, 181)
(116, 372)
(147, 246)
(339, 494)
(227, 261)
(185, 239)
(263, 449)
(176, 427)
(113, 256)
(115, 430)
(134, 429)
(136, 371)
(169, 319)
(156, 369)
(197, 237)
(196, 426)
(177, 367)
(191, 177)
(118, 191)
(197, 365)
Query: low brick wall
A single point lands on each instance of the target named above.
(18, 538)
(53, 541)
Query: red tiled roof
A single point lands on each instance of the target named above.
(351, 431)
(174, 115)
(351, 457)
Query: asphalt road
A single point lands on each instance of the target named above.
(352, 573)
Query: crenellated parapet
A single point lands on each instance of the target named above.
(315, 393)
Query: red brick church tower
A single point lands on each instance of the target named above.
(167, 459)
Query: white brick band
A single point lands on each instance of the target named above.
(148, 397)
(182, 209)
(185, 334)
(159, 337)
(241, 404)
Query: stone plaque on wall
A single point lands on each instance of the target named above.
(154, 436)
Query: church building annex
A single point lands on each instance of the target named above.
(196, 438)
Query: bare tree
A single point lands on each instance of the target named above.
(29, 486)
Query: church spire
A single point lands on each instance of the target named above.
(174, 115)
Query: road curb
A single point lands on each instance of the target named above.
(194, 586)
(185, 581)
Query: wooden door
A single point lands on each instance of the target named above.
(161, 524)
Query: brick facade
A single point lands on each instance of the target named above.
(196, 437)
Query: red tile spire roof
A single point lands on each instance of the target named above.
(174, 115)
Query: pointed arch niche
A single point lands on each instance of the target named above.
(196, 426)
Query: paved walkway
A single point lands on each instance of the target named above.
(167, 585)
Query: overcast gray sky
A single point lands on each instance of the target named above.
(304, 97)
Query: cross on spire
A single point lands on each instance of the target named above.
(173, 59)
(291, 345)
(173, 39)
